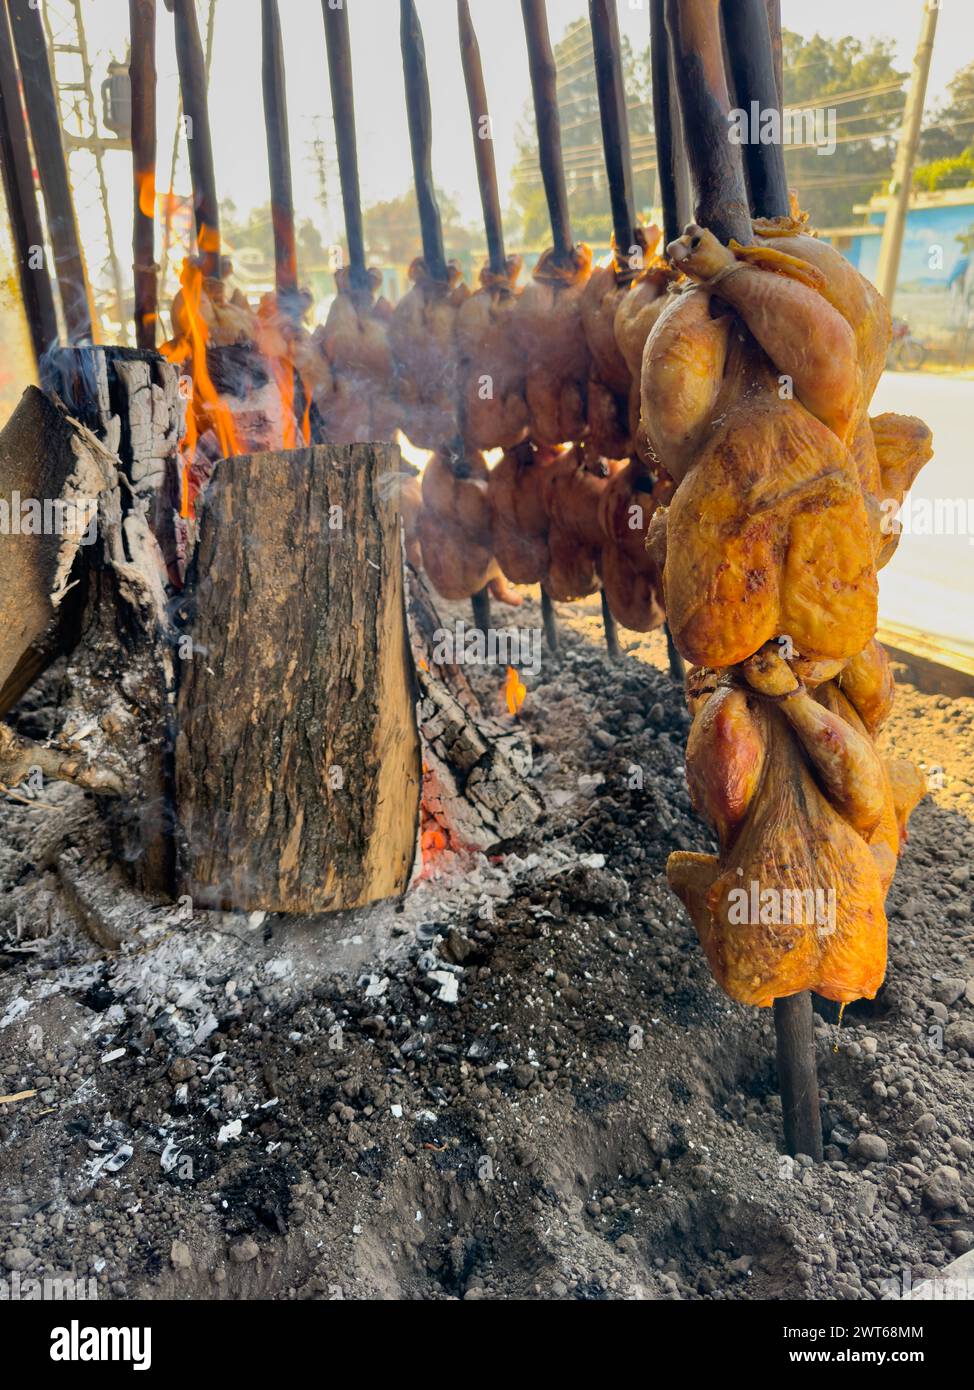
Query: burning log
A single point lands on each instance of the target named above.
(117, 690)
(475, 767)
(297, 756)
(130, 400)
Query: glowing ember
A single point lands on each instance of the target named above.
(514, 691)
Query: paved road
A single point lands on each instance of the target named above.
(929, 583)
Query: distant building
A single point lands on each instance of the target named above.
(935, 285)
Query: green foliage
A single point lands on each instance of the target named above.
(956, 171)
(816, 69)
(949, 131)
(578, 106)
(392, 234)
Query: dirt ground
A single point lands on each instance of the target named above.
(519, 1083)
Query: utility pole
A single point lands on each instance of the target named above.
(902, 181)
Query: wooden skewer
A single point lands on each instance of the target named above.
(718, 171)
(749, 47)
(549, 619)
(483, 140)
(142, 74)
(45, 129)
(544, 87)
(420, 123)
(279, 161)
(671, 159)
(25, 216)
(604, 20)
(192, 82)
(753, 59)
(343, 107)
(480, 602)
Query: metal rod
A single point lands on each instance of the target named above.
(420, 123)
(544, 87)
(797, 1077)
(480, 603)
(45, 128)
(671, 161)
(749, 47)
(549, 619)
(483, 139)
(604, 20)
(142, 75)
(25, 215)
(192, 83)
(343, 108)
(718, 169)
(279, 160)
(610, 629)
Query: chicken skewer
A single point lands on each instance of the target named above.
(548, 323)
(142, 74)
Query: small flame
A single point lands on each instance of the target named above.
(419, 458)
(514, 691)
(146, 184)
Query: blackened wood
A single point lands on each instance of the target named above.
(420, 122)
(483, 139)
(615, 123)
(343, 108)
(192, 84)
(677, 665)
(476, 765)
(24, 213)
(671, 162)
(297, 755)
(797, 1079)
(544, 88)
(129, 399)
(142, 74)
(279, 160)
(716, 164)
(52, 167)
(752, 67)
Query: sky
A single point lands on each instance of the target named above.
(236, 111)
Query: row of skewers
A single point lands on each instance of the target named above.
(544, 376)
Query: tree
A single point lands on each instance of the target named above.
(817, 69)
(392, 233)
(949, 132)
(578, 107)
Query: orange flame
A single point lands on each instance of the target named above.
(514, 691)
(146, 184)
(207, 410)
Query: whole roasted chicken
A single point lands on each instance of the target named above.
(493, 411)
(453, 527)
(755, 390)
(630, 574)
(423, 340)
(360, 405)
(547, 329)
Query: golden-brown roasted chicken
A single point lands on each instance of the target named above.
(423, 340)
(453, 528)
(493, 412)
(354, 343)
(547, 325)
(630, 575)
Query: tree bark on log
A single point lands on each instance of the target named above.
(297, 754)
